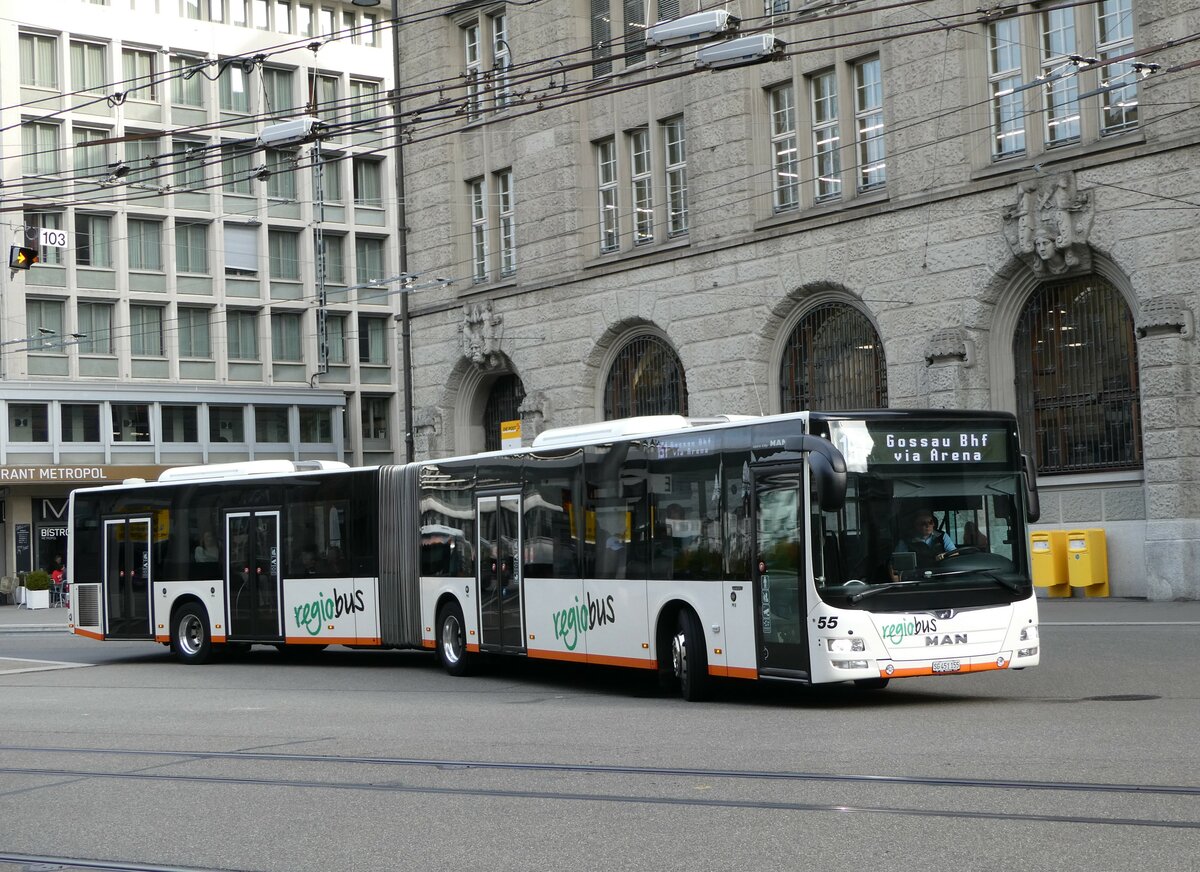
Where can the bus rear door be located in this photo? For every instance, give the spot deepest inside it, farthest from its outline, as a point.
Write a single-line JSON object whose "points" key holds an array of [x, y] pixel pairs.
{"points": [[779, 572], [127, 578], [252, 576]]}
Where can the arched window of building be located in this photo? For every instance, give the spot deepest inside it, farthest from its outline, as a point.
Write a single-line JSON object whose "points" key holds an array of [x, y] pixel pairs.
{"points": [[833, 360], [503, 404], [646, 378], [1077, 378]]}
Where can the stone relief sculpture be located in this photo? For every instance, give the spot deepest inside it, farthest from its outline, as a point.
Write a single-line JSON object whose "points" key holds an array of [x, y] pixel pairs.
{"points": [[1049, 224], [480, 335]]}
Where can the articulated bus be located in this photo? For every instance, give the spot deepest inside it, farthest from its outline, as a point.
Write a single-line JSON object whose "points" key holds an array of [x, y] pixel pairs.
{"points": [[784, 547]]}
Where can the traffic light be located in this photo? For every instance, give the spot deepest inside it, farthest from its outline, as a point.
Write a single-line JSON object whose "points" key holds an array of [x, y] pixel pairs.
{"points": [[21, 258]]}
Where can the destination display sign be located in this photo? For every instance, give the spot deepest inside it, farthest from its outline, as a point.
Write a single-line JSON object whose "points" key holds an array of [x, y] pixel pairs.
{"points": [[865, 444]]}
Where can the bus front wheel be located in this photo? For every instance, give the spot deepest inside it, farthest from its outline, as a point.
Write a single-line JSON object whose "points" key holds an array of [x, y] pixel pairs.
{"points": [[688, 657], [191, 640], [452, 640]]}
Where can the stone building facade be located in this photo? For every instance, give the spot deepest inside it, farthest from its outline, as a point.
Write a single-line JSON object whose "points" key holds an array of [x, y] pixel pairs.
{"points": [[929, 206]]}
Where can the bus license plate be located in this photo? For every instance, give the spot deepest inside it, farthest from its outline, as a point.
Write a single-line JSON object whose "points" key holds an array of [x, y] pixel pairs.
{"points": [[947, 665]]}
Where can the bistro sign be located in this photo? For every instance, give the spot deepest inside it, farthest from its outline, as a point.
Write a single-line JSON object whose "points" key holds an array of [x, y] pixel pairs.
{"points": [[76, 474]]}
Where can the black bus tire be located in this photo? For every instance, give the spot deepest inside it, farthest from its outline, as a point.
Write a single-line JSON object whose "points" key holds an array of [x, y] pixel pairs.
{"points": [[689, 659], [190, 635], [871, 683], [452, 640]]}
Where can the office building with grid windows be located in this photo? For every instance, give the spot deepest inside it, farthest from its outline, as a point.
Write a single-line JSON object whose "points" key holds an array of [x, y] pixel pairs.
{"points": [[174, 314]]}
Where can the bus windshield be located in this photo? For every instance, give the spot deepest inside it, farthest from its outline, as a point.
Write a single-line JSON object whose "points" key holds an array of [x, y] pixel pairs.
{"points": [[934, 515]]}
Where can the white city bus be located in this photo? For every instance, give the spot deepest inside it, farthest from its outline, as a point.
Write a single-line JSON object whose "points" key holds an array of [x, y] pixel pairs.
{"points": [[778, 547]]}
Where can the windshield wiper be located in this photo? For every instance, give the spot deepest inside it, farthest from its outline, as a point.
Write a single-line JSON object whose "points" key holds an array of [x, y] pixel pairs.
{"points": [[892, 585]]}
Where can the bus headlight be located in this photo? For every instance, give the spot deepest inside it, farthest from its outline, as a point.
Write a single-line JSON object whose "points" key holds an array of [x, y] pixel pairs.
{"points": [[845, 646], [849, 664], [1029, 634], [1027, 652]]}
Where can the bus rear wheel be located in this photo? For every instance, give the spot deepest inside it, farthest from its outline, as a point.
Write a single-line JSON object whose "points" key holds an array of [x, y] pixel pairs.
{"points": [[452, 640], [689, 662], [191, 639]]}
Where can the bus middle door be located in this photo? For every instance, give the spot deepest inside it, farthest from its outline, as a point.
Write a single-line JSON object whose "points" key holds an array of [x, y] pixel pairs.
{"points": [[252, 576], [500, 574], [778, 569]]}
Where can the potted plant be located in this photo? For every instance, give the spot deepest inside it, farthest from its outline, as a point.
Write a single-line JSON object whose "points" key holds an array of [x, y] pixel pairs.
{"points": [[37, 589]]}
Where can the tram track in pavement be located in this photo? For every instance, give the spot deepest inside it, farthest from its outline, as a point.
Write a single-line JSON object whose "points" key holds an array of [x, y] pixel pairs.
{"points": [[163, 758]]}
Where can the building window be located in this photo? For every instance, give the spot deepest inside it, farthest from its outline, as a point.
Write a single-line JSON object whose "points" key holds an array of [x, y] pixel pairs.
{"points": [[190, 169], [39, 148], [508, 223], [833, 359], [89, 67], [375, 418], [226, 424], [283, 16], [93, 238], [237, 168], [242, 330], [327, 107], [868, 124], [145, 244], [285, 337], [643, 191], [479, 248], [187, 81], [281, 183], [786, 176], [610, 217], [278, 91], [39, 60], [335, 338], [304, 20], [368, 257], [646, 378], [234, 88], [601, 16], [372, 340], [139, 68], [90, 160], [370, 31], [179, 423], [146, 331], [331, 179], [95, 323], [28, 422], [195, 340], [284, 253], [141, 158], [368, 183], [335, 259], [1078, 401], [364, 100], [271, 424], [1054, 80], [191, 247], [503, 404], [241, 250], [48, 255], [827, 166], [80, 422], [501, 60], [675, 144], [130, 422], [44, 325], [316, 425]]}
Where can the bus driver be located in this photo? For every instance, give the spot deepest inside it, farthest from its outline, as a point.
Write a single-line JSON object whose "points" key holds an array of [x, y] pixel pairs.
{"points": [[928, 542]]}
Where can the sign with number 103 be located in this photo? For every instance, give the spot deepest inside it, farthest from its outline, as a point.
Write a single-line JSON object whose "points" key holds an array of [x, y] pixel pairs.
{"points": [[54, 238]]}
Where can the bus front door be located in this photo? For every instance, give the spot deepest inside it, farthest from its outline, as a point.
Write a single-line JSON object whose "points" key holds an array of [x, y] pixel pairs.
{"points": [[778, 569], [252, 575], [501, 614], [127, 578]]}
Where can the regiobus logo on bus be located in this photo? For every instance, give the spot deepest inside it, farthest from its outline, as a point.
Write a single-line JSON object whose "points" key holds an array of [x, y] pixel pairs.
{"points": [[574, 620]]}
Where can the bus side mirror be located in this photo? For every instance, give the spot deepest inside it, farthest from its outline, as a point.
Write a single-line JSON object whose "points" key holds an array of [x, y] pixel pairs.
{"points": [[830, 483], [1033, 503]]}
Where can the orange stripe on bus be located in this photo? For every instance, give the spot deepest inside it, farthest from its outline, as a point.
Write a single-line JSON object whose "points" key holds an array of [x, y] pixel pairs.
{"points": [[163, 639], [472, 648], [218, 640], [632, 662], [428, 643], [569, 656], [329, 640], [89, 634]]}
